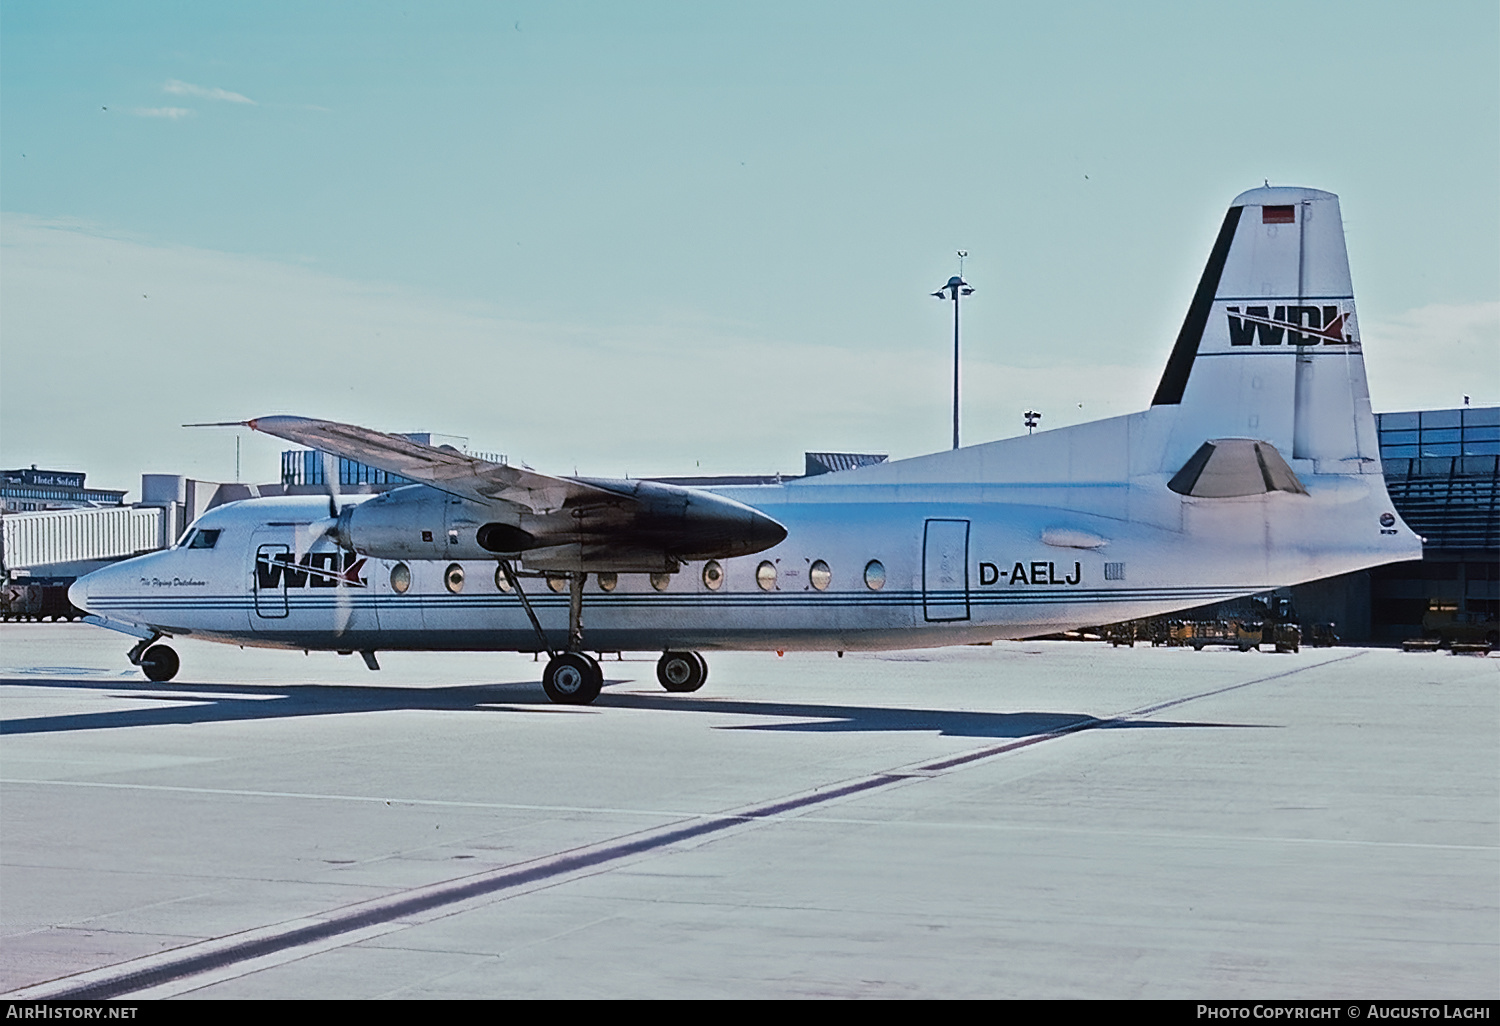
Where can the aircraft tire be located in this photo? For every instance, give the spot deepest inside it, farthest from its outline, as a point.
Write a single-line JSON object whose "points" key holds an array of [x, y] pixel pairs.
{"points": [[681, 672], [160, 663], [572, 678]]}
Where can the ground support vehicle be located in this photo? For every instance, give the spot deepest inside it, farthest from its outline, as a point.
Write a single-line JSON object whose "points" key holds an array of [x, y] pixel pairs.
{"points": [[1240, 634], [37, 599]]}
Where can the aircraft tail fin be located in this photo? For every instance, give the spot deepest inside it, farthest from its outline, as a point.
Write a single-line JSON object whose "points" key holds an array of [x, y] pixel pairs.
{"points": [[1270, 346]]}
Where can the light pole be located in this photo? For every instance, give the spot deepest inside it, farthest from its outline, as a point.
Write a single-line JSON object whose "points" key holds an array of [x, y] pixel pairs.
{"points": [[956, 287]]}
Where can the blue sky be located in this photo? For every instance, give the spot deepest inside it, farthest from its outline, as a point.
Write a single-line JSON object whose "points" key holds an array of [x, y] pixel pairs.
{"points": [[650, 238]]}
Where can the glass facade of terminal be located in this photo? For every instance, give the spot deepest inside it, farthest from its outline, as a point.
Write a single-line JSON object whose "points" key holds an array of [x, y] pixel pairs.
{"points": [[1467, 431], [1442, 470], [306, 467]]}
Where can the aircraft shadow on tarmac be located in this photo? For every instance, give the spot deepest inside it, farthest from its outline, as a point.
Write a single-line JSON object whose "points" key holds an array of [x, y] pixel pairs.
{"points": [[213, 703]]}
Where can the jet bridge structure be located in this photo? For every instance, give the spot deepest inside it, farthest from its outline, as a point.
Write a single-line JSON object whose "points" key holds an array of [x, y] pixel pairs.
{"points": [[55, 542]]}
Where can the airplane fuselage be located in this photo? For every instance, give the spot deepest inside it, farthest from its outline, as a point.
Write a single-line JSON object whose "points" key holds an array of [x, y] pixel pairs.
{"points": [[863, 566]]}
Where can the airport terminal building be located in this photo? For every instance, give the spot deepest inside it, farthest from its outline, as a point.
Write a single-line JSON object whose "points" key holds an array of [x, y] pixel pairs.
{"points": [[1442, 469], [30, 490]]}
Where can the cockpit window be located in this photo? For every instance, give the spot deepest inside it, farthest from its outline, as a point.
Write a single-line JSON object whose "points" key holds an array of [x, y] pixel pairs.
{"points": [[203, 540]]}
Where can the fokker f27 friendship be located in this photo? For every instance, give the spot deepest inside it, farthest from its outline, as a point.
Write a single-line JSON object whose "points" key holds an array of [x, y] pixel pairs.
{"points": [[1255, 467]]}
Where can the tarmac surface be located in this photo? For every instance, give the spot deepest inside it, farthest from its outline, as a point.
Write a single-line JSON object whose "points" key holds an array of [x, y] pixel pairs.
{"points": [[1025, 820]]}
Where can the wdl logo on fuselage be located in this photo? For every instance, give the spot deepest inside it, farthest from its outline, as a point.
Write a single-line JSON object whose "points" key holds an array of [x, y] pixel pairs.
{"points": [[1299, 325], [313, 570]]}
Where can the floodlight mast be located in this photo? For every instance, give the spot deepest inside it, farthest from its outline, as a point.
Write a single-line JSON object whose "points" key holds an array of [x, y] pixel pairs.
{"points": [[955, 288]]}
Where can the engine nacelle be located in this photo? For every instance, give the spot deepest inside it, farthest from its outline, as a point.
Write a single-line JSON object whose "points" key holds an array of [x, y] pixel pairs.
{"points": [[414, 522], [623, 526]]}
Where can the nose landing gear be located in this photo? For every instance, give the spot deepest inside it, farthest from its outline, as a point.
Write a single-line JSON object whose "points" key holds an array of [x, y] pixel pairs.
{"points": [[160, 663], [681, 671]]}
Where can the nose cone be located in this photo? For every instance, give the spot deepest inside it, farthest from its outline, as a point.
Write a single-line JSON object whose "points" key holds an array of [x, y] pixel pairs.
{"points": [[78, 593], [91, 591]]}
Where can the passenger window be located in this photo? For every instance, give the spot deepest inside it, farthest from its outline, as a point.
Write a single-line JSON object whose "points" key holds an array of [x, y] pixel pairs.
{"points": [[204, 540], [660, 581], [400, 578], [820, 575], [874, 575], [713, 575], [765, 576], [607, 580]]}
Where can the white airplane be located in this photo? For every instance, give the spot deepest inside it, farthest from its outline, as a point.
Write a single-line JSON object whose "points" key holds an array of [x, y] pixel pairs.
{"points": [[1255, 467]]}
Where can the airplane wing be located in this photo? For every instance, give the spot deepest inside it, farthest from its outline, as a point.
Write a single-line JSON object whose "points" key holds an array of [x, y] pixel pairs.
{"points": [[559, 523], [443, 468]]}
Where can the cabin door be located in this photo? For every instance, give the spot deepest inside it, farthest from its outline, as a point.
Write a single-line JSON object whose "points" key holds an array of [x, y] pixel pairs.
{"points": [[268, 579], [945, 570]]}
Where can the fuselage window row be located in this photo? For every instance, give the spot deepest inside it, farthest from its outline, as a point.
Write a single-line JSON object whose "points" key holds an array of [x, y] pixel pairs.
{"points": [[819, 576]]}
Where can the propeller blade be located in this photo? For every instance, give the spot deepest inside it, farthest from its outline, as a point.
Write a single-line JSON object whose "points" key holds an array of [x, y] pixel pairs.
{"points": [[305, 536], [331, 482], [343, 599], [343, 608]]}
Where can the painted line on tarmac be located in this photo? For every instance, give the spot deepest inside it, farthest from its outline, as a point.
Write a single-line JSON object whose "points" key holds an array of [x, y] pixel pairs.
{"points": [[221, 958], [1159, 706], [212, 956], [1090, 723]]}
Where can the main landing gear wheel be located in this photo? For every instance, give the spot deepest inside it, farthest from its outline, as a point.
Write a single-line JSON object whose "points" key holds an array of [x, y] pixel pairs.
{"points": [[160, 663], [572, 678], [681, 671]]}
